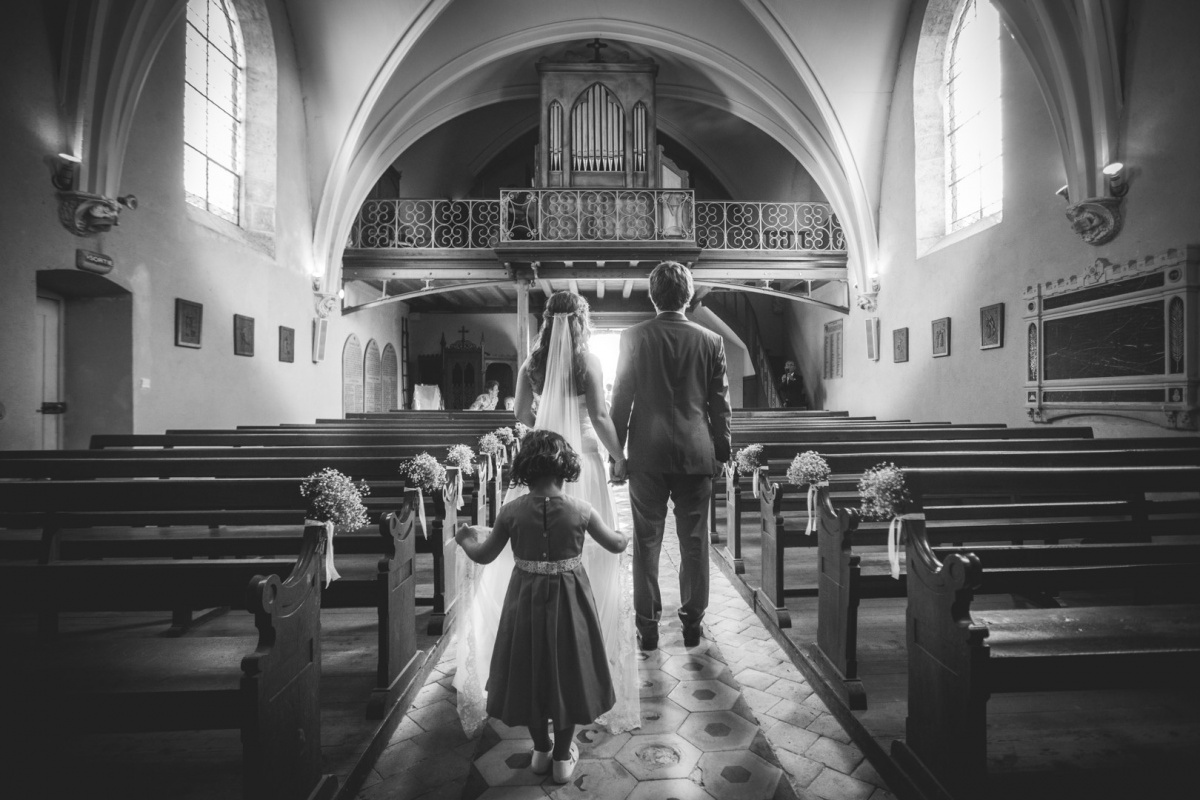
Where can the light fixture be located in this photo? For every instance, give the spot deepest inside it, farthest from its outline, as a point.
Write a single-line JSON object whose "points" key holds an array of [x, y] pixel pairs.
{"points": [[1064, 192], [1115, 172], [341, 294], [66, 169]]}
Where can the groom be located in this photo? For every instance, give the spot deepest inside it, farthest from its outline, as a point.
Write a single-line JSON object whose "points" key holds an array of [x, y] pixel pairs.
{"points": [[670, 401]]}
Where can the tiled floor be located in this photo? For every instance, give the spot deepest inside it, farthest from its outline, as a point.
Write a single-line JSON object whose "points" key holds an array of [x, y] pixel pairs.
{"points": [[732, 718]]}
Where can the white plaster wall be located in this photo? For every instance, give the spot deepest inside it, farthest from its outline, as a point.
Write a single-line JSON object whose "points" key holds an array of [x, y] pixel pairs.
{"points": [[1033, 242]]}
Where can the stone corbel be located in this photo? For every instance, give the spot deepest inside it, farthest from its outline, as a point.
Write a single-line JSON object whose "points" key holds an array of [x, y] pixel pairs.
{"points": [[325, 304], [1096, 220], [869, 300], [86, 214]]}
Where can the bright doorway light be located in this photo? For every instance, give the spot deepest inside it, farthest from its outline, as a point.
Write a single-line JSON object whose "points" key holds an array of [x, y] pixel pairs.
{"points": [[606, 344]]}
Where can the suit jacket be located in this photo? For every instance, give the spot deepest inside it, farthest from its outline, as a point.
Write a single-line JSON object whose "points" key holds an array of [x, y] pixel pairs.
{"points": [[670, 398]]}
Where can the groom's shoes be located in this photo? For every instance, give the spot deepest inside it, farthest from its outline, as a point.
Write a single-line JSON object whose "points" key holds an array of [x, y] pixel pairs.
{"points": [[692, 636], [648, 641]]}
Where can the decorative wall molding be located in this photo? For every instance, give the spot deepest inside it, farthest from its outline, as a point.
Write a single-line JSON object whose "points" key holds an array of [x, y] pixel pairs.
{"points": [[1097, 220], [85, 214], [325, 304]]}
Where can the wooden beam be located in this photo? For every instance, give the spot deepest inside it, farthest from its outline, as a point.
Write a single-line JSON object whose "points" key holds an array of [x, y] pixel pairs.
{"points": [[600, 290], [546, 288], [627, 289], [573, 285]]}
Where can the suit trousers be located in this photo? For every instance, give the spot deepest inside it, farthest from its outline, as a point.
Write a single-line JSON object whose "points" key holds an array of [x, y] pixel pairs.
{"points": [[648, 496]]}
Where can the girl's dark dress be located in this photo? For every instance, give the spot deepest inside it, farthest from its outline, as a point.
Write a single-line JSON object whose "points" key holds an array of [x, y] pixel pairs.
{"points": [[549, 661]]}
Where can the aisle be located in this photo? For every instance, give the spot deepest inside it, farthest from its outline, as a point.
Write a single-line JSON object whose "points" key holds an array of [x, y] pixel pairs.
{"points": [[731, 718]]}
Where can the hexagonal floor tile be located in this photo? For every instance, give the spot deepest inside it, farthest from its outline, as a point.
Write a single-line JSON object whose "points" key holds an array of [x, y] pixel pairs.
{"points": [[655, 757], [739, 775], [660, 715], [652, 659], [693, 667], [718, 730], [513, 793], [677, 789], [507, 764], [505, 732], [596, 780], [704, 695], [595, 742], [655, 683]]}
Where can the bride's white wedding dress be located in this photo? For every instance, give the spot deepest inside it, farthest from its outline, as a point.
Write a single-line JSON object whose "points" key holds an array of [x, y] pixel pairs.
{"points": [[482, 587]]}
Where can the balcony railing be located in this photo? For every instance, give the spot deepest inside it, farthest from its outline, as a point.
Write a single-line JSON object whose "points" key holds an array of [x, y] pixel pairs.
{"points": [[462, 224], [596, 215], [732, 225]]}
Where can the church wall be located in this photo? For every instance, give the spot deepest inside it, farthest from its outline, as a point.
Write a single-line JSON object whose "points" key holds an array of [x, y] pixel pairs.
{"points": [[163, 250], [499, 332], [1032, 243]]}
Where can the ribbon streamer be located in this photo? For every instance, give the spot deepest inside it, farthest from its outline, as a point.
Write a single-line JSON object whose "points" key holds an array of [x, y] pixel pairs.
{"points": [[894, 541], [755, 484], [458, 502], [421, 511], [331, 573], [812, 507]]}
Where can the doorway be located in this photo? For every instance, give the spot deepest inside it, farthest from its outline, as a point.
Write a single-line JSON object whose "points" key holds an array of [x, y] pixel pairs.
{"points": [[48, 343]]}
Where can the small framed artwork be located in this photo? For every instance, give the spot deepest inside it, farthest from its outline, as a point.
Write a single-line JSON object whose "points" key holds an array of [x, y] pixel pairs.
{"points": [[900, 345], [287, 344], [991, 326], [189, 323], [941, 337], [873, 338], [243, 335]]}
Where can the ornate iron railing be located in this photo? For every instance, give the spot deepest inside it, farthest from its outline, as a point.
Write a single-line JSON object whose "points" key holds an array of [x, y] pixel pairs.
{"points": [[439, 223], [596, 215], [734, 225]]}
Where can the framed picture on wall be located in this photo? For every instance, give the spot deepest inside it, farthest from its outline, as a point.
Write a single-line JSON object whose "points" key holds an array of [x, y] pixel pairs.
{"points": [[287, 344], [900, 345], [243, 335], [991, 326], [189, 319], [873, 338], [941, 337]]}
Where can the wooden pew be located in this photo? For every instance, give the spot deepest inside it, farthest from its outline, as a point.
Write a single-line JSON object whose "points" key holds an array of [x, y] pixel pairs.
{"points": [[121, 685], [957, 658]]}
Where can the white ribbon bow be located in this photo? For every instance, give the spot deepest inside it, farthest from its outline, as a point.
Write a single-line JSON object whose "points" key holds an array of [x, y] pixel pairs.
{"points": [[421, 511], [894, 541], [458, 502], [755, 484], [812, 507], [331, 573]]}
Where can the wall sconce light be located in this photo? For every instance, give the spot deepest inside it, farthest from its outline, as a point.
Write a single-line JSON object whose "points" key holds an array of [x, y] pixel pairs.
{"points": [[1115, 172], [65, 171], [341, 294], [1064, 192]]}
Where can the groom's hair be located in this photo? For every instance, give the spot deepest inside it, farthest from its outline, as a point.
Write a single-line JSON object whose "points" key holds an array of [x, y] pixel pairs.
{"points": [[671, 286], [544, 454]]}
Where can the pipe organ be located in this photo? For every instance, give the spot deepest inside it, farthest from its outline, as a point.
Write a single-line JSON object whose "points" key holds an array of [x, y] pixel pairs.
{"points": [[598, 123]]}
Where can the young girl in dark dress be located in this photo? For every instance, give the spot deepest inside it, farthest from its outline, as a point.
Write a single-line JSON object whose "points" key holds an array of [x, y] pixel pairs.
{"points": [[549, 663]]}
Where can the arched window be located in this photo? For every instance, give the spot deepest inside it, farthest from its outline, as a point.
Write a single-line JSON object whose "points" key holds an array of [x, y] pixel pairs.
{"points": [[372, 387], [974, 164], [391, 379], [214, 109], [352, 376]]}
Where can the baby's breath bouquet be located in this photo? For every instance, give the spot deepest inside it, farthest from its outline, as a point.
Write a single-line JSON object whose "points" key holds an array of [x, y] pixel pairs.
{"points": [[490, 444], [461, 456], [884, 495], [424, 472], [808, 468], [521, 430], [748, 459], [505, 435], [883, 492], [333, 497]]}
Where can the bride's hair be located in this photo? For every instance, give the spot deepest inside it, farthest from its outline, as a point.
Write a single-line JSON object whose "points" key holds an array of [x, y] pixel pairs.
{"points": [[544, 454], [581, 331]]}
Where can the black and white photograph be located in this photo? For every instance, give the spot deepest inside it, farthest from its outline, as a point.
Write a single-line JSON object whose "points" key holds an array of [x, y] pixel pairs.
{"points": [[556, 453]]}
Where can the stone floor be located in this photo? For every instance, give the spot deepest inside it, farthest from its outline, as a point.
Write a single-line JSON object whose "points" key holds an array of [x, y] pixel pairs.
{"points": [[732, 718]]}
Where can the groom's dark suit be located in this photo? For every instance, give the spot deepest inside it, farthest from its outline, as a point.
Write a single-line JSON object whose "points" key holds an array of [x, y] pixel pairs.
{"points": [[670, 405]]}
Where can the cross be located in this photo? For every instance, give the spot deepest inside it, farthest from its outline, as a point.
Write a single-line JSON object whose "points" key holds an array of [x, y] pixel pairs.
{"points": [[463, 331], [597, 47]]}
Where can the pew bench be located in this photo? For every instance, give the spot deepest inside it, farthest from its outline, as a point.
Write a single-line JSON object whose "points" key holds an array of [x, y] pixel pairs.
{"points": [[108, 684], [958, 658]]}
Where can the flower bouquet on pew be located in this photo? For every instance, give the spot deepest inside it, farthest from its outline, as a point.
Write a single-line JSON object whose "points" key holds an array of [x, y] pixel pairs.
{"points": [[808, 468], [884, 495], [747, 461], [335, 501], [425, 473], [507, 438], [463, 457]]}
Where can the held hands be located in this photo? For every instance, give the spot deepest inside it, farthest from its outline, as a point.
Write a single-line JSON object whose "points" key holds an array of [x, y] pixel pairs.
{"points": [[618, 471], [467, 535]]}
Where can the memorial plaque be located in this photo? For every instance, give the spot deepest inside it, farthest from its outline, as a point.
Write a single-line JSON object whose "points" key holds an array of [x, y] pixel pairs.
{"points": [[243, 335], [900, 345], [287, 344], [189, 318]]}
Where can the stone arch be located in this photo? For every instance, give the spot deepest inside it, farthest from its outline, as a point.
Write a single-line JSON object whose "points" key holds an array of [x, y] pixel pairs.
{"points": [[372, 379], [390, 369], [352, 376]]}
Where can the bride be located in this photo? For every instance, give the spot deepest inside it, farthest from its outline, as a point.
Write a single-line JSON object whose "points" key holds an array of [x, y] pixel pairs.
{"points": [[569, 379]]}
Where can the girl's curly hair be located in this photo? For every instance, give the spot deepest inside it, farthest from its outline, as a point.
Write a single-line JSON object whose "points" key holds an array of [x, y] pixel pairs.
{"points": [[581, 332], [544, 454]]}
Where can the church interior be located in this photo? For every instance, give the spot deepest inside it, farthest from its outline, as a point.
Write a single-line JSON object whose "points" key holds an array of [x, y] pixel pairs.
{"points": [[950, 242]]}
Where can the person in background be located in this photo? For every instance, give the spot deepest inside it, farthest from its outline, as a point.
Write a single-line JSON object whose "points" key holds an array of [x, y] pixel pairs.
{"points": [[510, 403], [792, 386], [487, 401]]}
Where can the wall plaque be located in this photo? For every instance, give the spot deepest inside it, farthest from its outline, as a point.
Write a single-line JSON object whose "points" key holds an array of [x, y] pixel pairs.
{"points": [[243, 335], [941, 337], [991, 326], [189, 319], [900, 345], [1118, 340], [90, 261], [287, 344]]}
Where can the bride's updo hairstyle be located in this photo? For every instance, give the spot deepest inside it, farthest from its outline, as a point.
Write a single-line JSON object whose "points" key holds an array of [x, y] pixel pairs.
{"points": [[581, 332], [544, 454]]}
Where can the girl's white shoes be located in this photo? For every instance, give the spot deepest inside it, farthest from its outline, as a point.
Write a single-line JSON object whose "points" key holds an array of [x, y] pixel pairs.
{"points": [[540, 764], [563, 770]]}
